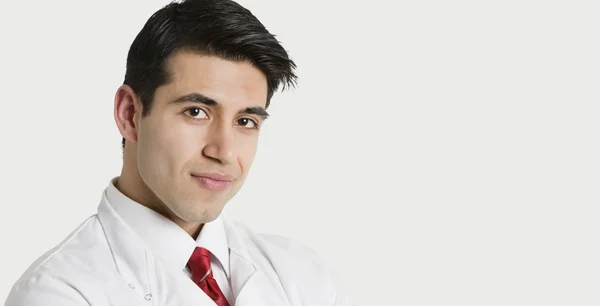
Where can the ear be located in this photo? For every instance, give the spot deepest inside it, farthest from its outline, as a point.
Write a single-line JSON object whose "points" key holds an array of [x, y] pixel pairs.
{"points": [[127, 112]]}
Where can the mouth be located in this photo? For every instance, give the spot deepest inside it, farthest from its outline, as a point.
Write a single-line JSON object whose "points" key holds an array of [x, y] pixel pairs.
{"points": [[212, 181]]}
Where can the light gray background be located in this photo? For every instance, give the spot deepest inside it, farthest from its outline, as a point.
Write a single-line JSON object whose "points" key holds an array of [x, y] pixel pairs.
{"points": [[434, 153]]}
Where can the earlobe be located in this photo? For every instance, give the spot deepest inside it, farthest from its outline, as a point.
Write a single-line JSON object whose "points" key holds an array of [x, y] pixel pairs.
{"points": [[126, 112]]}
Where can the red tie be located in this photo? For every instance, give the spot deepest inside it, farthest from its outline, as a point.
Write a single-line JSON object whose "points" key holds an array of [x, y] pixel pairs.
{"points": [[199, 265]]}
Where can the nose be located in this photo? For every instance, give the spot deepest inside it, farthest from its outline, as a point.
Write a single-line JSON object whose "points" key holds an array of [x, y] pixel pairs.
{"points": [[220, 145]]}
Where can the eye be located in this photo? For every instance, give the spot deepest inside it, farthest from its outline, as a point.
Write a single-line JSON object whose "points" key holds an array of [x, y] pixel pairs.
{"points": [[196, 113], [247, 123]]}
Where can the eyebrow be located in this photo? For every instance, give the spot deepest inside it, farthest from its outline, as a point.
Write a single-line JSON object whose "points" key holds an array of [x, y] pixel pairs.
{"points": [[259, 111], [200, 98], [196, 98]]}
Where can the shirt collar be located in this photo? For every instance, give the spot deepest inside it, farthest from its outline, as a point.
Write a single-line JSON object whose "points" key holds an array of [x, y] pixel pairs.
{"points": [[166, 239]]}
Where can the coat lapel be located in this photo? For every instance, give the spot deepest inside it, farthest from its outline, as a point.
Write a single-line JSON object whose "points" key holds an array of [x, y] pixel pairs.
{"points": [[249, 283], [257, 290]]}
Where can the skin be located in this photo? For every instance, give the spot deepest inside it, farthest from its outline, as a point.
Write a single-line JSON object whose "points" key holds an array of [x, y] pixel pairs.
{"points": [[178, 139]]}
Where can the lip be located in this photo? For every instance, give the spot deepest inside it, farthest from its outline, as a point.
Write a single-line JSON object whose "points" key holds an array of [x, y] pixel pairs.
{"points": [[213, 181], [215, 176]]}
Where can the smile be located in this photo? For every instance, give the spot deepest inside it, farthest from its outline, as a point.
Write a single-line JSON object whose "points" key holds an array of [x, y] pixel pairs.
{"points": [[214, 182]]}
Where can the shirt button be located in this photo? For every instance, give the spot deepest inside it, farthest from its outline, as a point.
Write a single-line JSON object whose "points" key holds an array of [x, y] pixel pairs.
{"points": [[148, 297], [132, 286]]}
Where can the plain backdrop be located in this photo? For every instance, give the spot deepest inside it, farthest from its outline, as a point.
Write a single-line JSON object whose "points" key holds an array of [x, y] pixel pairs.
{"points": [[434, 152]]}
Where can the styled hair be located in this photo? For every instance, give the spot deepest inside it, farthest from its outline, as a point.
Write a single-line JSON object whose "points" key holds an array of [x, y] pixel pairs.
{"points": [[220, 28]]}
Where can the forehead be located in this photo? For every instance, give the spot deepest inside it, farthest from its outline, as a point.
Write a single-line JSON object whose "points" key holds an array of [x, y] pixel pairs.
{"points": [[227, 82]]}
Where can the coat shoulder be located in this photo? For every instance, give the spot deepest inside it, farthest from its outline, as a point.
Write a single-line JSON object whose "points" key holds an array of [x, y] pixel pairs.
{"points": [[58, 274]]}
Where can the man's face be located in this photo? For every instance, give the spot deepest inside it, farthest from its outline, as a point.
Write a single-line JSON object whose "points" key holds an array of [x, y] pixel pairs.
{"points": [[197, 144]]}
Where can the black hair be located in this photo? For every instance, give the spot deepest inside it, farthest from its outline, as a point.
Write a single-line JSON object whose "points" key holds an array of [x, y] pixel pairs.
{"points": [[221, 28]]}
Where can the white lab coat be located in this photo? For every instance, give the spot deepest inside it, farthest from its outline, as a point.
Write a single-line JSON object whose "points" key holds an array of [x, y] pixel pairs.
{"points": [[103, 262]]}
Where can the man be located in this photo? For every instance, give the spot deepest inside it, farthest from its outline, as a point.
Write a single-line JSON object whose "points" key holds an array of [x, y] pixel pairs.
{"points": [[199, 78]]}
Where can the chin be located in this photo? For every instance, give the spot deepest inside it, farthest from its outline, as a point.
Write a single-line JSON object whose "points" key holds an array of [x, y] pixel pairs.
{"points": [[202, 216]]}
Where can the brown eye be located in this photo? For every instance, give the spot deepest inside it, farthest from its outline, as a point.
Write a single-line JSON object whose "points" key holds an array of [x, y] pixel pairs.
{"points": [[247, 123], [196, 113]]}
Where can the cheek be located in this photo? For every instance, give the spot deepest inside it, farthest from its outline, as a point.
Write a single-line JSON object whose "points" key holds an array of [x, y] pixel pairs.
{"points": [[167, 147], [152, 157], [247, 152], [182, 145]]}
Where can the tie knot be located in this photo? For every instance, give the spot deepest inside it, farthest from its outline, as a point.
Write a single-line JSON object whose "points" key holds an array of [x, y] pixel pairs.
{"points": [[199, 264]]}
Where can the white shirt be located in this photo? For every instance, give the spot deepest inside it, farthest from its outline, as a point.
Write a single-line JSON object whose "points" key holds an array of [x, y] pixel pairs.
{"points": [[170, 242], [112, 260]]}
